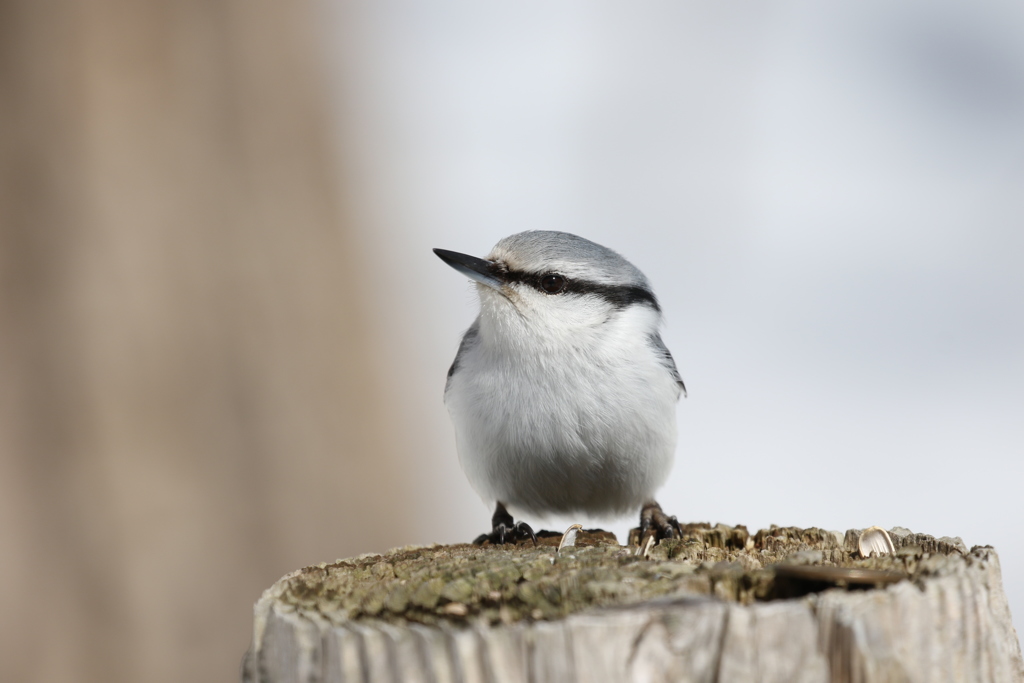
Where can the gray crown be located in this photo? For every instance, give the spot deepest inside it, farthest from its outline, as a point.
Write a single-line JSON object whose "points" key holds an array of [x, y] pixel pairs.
{"points": [[548, 250]]}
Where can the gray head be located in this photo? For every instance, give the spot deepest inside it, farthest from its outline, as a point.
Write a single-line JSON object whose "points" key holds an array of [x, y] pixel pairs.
{"points": [[536, 266]]}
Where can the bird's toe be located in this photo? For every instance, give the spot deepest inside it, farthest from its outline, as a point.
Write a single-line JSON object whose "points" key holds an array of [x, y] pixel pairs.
{"points": [[505, 530], [654, 523]]}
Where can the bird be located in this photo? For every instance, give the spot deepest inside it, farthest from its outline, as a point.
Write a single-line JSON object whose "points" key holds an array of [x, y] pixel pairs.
{"points": [[562, 393]]}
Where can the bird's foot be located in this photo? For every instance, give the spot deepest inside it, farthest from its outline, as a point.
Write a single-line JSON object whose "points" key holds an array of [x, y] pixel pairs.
{"points": [[654, 523], [505, 530], [502, 534]]}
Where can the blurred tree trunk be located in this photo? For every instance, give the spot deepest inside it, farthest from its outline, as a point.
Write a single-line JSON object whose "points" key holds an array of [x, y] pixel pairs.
{"points": [[187, 396]]}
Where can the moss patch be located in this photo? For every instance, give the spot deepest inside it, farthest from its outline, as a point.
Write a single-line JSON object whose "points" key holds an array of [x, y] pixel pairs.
{"points": [[526, 582]]}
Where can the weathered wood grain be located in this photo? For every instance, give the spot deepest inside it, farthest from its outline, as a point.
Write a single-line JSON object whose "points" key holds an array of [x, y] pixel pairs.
{"points": [[706, 608]]}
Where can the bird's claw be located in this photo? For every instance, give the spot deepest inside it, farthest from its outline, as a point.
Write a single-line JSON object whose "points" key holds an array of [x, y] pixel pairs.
{"points": [[502, 534], [505, 530], [654, 523]]}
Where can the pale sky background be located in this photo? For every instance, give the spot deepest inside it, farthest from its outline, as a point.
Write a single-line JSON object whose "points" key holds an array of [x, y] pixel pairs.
{"points": [[829, 202]]}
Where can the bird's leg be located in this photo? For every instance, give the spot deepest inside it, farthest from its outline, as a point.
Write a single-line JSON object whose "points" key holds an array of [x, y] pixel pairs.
{"points": [[654, 522], [505, 530]]}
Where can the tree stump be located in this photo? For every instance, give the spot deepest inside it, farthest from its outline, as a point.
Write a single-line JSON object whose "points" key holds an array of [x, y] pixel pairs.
{"points": [[720, 604]]}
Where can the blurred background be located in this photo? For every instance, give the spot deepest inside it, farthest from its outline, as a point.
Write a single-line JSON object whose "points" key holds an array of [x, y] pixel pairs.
{"points": [[223, 337]]}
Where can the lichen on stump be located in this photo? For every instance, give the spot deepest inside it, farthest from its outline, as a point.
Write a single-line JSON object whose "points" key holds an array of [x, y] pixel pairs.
{"points": [[802, 601]]}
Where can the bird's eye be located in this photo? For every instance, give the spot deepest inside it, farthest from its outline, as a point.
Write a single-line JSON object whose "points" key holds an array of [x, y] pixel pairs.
{"points": [[552, 283]]}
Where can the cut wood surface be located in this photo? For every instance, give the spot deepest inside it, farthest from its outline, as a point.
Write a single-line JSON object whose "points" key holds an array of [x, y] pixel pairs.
{"points": [[720, 604]]}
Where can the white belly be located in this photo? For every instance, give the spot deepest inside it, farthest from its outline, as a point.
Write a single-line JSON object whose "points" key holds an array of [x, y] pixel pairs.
{"points": [[564, 433]]}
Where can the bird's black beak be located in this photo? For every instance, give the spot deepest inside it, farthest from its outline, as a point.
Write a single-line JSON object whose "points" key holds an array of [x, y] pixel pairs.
{"points": [[478, 269]]}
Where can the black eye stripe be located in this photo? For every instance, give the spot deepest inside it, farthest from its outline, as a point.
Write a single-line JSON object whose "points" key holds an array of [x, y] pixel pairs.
{"points": [[620, 296]]}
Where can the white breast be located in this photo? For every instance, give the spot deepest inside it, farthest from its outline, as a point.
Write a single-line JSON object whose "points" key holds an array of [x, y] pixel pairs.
{"points": [[577, 422]]}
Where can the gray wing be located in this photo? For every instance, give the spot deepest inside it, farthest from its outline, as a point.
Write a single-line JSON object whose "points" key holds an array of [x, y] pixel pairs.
{"points": [[468, 341], [665, 356]]}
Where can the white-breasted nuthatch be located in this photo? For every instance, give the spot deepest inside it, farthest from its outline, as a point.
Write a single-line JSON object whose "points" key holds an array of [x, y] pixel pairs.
{"points": [[562, 393]]}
